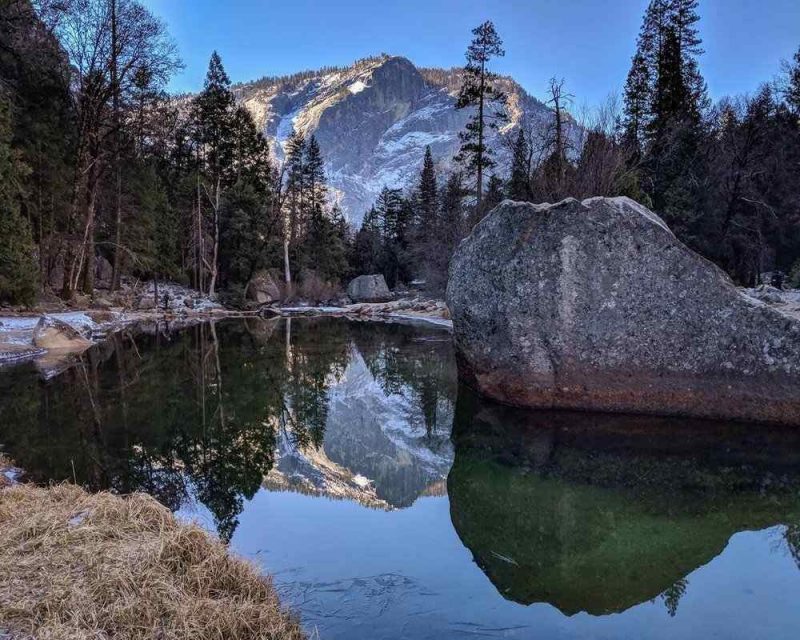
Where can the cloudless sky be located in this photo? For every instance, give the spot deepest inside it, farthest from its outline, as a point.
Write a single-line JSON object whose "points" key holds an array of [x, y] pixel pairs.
{"points": [[587, 42]]}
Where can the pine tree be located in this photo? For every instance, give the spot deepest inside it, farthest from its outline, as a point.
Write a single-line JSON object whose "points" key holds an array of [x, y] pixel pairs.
{"points": [[519, 187], [249, 237], [215, 108], [427, 196], [314, 177], [449, 231], [367, 245], [494, 193], [670, 102], [325, 244], [664, 101], [477, 90], [426, 202], [664, 84], [389, 208], [637, 101], [215, 121]]}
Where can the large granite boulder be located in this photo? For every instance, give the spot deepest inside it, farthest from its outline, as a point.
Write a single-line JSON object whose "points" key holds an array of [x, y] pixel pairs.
{"points": [[370, 288], [596, 305]]}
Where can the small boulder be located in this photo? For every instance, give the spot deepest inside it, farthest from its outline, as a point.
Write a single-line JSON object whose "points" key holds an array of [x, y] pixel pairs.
{"points": [[262, 288], [101, 303], [371, 288], [52, 333], [596, 305], [103, 272], [145, 302]]}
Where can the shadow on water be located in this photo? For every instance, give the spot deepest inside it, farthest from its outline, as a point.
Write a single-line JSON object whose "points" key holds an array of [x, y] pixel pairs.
{"points": [[598, 513]]}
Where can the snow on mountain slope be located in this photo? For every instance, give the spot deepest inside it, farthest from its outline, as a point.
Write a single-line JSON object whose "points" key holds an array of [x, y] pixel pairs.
{"points": [[373, 121]]}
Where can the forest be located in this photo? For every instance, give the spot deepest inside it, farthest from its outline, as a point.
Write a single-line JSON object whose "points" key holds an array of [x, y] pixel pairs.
{"points": [[104, 175]]}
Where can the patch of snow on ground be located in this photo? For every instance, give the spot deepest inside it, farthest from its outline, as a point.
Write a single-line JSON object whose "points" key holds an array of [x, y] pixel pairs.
{"points": [[77, 319]]}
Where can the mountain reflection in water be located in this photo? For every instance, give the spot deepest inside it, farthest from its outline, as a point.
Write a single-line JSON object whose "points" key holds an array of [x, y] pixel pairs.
{"points": [[389, 502], [210, 413], [598, 513]]}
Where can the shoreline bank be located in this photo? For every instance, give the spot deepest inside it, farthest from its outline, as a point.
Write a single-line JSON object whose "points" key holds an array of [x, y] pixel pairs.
{"points": [[18, 343], [75, 564]]}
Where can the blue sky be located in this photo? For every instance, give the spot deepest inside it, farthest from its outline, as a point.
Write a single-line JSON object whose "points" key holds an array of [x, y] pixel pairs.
{"points": [[587, 42]]}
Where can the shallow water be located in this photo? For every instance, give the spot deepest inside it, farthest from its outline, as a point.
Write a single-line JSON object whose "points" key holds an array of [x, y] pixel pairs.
{"points": [[389, 503]]}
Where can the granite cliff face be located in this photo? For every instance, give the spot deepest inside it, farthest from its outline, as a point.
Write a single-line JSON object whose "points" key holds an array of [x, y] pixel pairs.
{"points": [[374, 119], [596, 305]]}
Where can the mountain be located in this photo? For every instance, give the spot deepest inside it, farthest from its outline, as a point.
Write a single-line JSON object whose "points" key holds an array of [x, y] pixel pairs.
{"points": [[373, 120]]}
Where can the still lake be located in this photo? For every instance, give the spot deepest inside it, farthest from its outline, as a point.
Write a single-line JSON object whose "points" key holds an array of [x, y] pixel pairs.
{"points": [[389, 502]]}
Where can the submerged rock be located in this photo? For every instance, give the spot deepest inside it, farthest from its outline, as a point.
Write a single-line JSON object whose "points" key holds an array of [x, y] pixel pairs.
{"points": [[596, 305], [370, 288], [51, 333]]}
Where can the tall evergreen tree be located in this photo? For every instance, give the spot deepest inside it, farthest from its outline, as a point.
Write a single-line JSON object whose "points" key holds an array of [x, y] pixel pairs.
{"points": [[314, 177], [427, 196], [293, 198], [215, 121], [637, 101], [494, 192], [479, 92], [426, 202], [664, 101], [519, 187]]}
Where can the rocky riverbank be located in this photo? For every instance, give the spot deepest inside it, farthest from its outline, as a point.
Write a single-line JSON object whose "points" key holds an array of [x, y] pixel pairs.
{"points": [[53, 334], [412, 309]]}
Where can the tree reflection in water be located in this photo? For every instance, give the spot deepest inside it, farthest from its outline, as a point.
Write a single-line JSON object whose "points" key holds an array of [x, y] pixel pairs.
{"points": [[195, 413], [598, 513]]}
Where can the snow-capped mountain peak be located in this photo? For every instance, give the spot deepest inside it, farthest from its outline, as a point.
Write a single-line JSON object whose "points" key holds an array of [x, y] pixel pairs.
{"points": [[373, 121]]}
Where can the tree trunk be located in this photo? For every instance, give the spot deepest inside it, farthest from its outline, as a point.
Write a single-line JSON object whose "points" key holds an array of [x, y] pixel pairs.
{"points": [[115, 274], [215, 255], [200, 256], [479, 186], [287, 272], [87, 249]]}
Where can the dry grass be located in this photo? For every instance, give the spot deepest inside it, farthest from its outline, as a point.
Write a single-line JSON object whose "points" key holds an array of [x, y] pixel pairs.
{"points": [[77, 566], [6, 465]]}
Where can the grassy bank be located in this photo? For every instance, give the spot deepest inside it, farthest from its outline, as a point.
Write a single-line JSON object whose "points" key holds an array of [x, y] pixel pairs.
{"points": [[75, 565]]}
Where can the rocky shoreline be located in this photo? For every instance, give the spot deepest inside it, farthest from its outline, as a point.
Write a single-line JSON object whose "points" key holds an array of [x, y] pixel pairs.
{"points": [[53, 339]]}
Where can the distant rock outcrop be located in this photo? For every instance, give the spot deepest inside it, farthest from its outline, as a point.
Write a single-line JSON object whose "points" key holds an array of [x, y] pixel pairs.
{"points": [[596, 305], [262, 288], [370, 288]]}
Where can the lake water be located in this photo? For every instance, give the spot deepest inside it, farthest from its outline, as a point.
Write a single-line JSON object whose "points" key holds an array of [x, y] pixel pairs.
{"points": [[388, 502]]}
